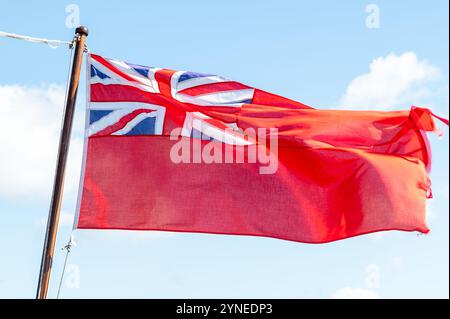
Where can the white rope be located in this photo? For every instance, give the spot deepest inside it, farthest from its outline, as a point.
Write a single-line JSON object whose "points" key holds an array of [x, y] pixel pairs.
{"points": [[68, 247], [51, 43]]}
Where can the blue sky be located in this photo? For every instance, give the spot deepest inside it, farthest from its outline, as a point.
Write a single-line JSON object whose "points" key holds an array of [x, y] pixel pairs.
{"points": [[318, 52]]}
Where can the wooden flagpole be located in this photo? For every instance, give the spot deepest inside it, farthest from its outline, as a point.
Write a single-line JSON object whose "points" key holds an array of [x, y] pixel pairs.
{"points": [[52, 224]]}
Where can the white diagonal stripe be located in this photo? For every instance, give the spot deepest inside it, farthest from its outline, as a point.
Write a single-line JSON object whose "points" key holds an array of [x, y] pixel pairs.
{"points": [[227, 96], [131, 124], [186, 84], [145, 87], [120, 109], [108, 120]]}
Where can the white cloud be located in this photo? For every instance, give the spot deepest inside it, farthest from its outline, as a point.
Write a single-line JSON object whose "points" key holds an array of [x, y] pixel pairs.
{"points": [[373, 276], [377, 236], [354, 293], [393, 81], [30, 121], [398, 262]]}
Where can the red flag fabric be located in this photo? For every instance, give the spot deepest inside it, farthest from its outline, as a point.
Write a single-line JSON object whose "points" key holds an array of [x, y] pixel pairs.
{"points": [[183, 151]]}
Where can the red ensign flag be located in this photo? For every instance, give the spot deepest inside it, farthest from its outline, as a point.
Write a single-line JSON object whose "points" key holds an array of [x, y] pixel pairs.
{"points": [[192, 152]]}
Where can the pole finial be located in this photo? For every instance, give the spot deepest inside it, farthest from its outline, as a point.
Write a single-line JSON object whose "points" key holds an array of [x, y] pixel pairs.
{"points": [[82, 30]]}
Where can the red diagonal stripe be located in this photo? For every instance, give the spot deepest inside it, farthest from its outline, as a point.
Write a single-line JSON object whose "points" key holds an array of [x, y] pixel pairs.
{"points": [[112, 68]]}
